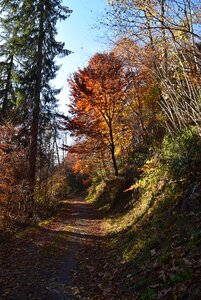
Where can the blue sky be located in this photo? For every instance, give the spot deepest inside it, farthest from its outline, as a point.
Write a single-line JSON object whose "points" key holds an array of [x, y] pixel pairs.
{"points": [[82, 35]]}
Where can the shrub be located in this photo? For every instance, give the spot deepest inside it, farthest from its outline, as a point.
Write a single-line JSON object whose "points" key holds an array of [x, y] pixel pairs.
{"points": [[13, 186], [181, 154]]}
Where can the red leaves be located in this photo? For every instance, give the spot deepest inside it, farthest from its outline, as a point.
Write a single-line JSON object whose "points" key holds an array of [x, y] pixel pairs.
{"points": [[97, 99]]}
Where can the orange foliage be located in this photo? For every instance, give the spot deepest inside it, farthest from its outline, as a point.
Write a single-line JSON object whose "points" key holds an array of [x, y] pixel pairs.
{"points": [[114, 107], [97, 103], [12, 170]]}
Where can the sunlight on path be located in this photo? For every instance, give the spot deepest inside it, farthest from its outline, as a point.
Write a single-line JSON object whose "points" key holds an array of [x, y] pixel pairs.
{"points": [[47, 259]]}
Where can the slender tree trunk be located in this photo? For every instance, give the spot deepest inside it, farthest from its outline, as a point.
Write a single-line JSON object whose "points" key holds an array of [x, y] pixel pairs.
{"points": [[189, 20], [164, 37], [151, 38], [7, 89], [116, 172], [36, 106]]}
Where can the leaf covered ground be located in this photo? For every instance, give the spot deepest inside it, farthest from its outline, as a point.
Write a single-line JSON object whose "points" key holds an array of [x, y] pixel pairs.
{"points": [[80, 255], [62, 258]]}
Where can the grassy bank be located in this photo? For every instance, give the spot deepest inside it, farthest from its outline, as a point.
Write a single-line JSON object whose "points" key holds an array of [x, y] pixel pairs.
{"points": [[157, 230]]}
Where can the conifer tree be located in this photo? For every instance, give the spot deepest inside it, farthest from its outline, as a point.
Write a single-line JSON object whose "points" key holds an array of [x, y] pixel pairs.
{"points": [[30, 48], [47, 13], [8, 53]]}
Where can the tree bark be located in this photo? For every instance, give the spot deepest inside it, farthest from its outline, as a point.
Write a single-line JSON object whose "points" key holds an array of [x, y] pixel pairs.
{"points": [[8, 84], [116, 172], [36, 107]]}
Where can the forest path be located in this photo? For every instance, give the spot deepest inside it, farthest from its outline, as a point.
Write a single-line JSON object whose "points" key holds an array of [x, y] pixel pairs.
{"points": [[61, 259]]}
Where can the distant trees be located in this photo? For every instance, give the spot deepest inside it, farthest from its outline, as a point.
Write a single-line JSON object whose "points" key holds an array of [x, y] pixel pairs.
{"points": [[142, 89]]}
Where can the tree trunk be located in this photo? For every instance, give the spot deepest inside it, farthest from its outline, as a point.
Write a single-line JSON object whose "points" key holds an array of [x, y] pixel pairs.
{"points": [[162, 20], [36, 107], [7, 89], [116, 172]]}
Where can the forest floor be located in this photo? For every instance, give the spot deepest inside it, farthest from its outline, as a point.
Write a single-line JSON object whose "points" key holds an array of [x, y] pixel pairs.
{"points": [[65, 257]]}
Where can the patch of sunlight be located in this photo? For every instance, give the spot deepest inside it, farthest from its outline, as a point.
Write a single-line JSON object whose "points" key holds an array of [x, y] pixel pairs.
{"points": [[68, 228], [66, 201], [122, 222], [46, 222], [136, 249], [31, 230], [151, 196]]}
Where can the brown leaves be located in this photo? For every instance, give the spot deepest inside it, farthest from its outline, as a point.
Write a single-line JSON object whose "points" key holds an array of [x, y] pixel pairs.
{"points": [[12, 168]]}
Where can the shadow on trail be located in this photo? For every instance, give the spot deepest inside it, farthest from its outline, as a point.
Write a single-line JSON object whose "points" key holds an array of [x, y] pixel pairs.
{"points": [[83, 211], [78, 232], [43, 263]]}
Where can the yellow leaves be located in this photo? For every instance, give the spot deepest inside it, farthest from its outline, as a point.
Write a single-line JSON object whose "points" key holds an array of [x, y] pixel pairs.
{"points": [[147, 169], [149, 166], [179, 34], [118, 150], [150, 162], [135, 186], [147, 6]]}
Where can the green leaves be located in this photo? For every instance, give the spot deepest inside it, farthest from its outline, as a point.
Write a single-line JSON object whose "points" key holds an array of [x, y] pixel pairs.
{"points": [[181, 153]]}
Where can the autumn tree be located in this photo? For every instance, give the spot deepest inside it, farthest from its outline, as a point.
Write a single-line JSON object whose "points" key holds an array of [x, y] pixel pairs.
{"points": [[143, 112], [171, 29], [97, 101]]}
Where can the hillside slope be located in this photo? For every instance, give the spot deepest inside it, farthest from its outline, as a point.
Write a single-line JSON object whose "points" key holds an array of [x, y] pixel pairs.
{"points": [[157, 232]]}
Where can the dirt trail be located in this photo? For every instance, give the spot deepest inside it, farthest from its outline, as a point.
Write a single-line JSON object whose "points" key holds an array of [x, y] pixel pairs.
{"points": [[57, 260]]}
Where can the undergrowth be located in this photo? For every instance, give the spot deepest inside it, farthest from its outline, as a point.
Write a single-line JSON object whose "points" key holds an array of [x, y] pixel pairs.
{"points": [[159, 237]]}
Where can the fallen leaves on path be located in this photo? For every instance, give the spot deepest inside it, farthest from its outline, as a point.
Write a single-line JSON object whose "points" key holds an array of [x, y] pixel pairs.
{"points": [[64, 258]]}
